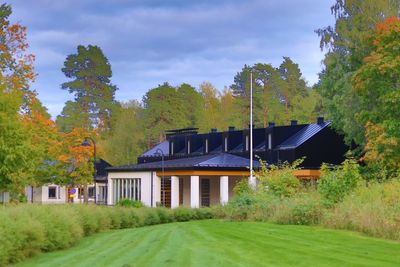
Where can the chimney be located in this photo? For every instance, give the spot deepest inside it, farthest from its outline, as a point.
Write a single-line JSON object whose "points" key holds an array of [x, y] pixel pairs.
{"points": [[213, 130], [293, 122], [231, 128], [271, 124], [320, 120]]}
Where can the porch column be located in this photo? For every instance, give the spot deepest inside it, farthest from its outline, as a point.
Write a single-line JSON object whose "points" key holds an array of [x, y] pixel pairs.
{"points": [[174, 191], [194, 191], [224, 189], [110, 191]]}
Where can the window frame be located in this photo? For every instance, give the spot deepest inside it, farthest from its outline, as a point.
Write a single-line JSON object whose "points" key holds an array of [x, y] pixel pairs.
{"points": [[55, 192]]}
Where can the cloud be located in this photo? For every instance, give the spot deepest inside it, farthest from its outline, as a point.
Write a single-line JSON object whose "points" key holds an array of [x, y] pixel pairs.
{"points": [[149, 42]]}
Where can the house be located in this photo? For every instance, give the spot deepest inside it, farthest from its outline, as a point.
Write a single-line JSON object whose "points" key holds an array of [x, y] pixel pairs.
{"points": [[194, 170], [60, 194]]}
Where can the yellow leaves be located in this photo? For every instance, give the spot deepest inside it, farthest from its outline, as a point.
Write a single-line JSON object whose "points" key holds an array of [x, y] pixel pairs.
{"points": [[77, 159]]}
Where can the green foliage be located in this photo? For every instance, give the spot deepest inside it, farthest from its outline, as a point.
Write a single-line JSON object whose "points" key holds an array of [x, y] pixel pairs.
{"points": [[94, 94], [348, 43], [26, 230], [164, 109], [373, 210], [279, 94], [128, 203], [377, 85], [303, 209], [16, 162], [279, 179], [126, 140], [339, 182]]}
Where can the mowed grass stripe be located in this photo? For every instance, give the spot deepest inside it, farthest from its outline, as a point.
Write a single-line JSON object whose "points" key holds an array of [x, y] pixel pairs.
{"points": [[220, 243]]}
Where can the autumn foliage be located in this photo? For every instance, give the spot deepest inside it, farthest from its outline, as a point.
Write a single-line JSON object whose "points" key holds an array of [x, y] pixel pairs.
{"points": [[377, 83]]}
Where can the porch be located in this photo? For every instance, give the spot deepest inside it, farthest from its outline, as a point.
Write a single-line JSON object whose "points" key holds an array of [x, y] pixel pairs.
{"points": [[198, 188]]}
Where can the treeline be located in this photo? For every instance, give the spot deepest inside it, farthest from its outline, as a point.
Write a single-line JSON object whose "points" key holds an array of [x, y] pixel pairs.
{"points": [[126, 129], [360, 83], [358, 89]]}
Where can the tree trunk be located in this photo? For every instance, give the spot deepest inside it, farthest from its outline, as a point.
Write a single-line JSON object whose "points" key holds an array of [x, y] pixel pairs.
{"points": [[85, 194]]}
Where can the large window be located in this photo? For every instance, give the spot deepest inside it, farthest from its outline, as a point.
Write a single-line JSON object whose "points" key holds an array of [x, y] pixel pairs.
{"points": [[52, 192], [129, 188]]}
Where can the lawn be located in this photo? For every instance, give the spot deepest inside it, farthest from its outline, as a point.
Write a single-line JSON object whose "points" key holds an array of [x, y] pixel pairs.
{"points": [[219, 243]]}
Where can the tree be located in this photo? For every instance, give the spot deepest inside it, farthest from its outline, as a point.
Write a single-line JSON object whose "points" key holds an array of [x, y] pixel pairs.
{"points": [[268, 87], [348, 42], [75, 162], [293, 84], [126, 140], [163, 109], [43, 143], [72, 116], [192, 102], [94, 94], [211, 107], [229, 110], [279, 94], [15, 150], [377, 84], [16, 72], [16, 65]]}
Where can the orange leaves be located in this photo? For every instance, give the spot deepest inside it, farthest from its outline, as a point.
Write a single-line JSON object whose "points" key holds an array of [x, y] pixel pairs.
{"points": [[77, 159], [389, 25], [16, 66]]}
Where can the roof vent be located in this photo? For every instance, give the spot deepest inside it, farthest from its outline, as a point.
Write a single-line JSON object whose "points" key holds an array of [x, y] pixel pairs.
{"points": [[213, 130], [293, 122], [320, 120], [271, 124], [231, 128]]}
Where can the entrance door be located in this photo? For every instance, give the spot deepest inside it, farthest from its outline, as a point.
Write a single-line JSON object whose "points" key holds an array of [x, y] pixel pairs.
{"points": [[205, 192], [166, 192], [102, 195]]}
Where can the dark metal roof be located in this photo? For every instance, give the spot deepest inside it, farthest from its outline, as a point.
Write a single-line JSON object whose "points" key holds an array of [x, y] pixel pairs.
{"points": [[221, 161], [101, 173], [302, 136], [182, 131], [163, 146]]}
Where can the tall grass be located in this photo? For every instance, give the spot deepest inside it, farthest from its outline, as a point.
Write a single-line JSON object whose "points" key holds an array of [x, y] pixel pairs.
{"points": [[26, 230], [373, 210]]}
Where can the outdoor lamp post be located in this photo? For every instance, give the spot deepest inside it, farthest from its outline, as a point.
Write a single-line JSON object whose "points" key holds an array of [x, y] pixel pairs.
{"points": [[160, 152], [86, 142]]}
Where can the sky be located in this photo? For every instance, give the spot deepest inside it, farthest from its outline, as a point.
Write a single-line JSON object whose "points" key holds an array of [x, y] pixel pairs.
{"points": [[149, 42]]}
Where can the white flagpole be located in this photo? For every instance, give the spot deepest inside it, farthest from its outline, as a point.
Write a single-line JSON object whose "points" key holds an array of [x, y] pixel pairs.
{"points": [[252, 180]]}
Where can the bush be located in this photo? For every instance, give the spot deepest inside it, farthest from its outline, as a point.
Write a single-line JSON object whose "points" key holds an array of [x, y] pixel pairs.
{"points": [[303, 209], [279, 179], [26, 230], [128, 203], [338, 182], [182, 214]]}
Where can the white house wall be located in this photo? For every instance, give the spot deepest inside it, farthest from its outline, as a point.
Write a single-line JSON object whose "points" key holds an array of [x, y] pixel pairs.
{"points": [[60, 195]]}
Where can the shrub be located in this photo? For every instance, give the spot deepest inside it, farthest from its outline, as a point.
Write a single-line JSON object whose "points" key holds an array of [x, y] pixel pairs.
{"points": [[338, 182], [165, 215], [29, 229], [279, 179], [128, 203], [303, 209]]}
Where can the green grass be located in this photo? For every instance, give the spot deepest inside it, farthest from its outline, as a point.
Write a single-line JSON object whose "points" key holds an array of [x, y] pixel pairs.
{"points": [[219, 243]]}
